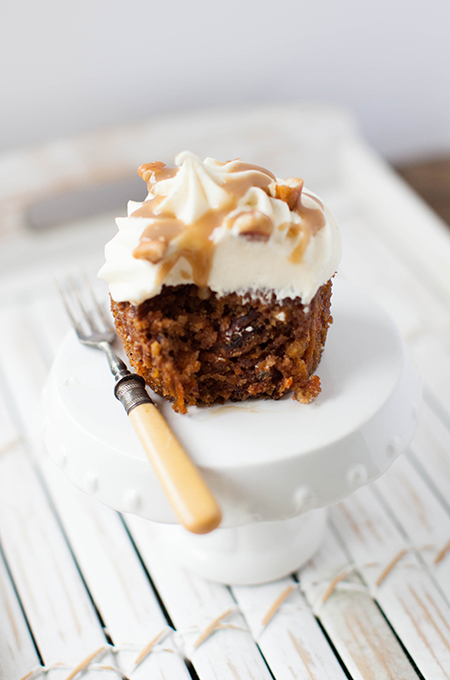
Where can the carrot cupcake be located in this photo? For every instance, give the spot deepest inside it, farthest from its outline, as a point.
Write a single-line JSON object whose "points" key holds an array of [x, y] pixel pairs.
{"points": [[220, 282]]}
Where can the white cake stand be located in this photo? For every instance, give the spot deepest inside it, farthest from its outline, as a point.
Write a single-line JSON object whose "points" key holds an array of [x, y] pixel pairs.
{"points": [[273, 466]]}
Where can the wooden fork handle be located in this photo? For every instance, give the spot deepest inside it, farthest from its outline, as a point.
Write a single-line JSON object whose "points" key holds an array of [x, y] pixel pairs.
{"points": [[187, 491], [185, 488]]}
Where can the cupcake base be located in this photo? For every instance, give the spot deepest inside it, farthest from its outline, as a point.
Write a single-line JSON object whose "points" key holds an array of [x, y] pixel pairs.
{"points": [[197, 349]]}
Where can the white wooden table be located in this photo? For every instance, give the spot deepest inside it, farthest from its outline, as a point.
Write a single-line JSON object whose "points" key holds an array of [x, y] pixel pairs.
{"points": [[83, 591]]}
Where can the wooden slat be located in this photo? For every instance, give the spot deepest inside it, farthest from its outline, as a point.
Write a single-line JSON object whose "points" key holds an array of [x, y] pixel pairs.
{"points": [[430, 449], [57, 606], [415, 234], [287, 631], [358, 630], [430, 178], [56, 603], [423, 518], [117, 582], [17, 651], [196, 606], [406, 297], [432, 356], [404, 590]]}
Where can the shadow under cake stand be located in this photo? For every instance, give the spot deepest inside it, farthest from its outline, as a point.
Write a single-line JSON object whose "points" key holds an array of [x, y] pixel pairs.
{"points": [[274, 466]]}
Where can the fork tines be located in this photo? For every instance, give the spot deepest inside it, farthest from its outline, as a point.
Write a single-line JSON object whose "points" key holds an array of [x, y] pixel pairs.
{"points": [[88, 316]]}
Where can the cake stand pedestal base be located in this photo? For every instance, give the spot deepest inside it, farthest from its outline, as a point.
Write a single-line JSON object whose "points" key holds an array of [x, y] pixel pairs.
{"points": [[249, 554]]}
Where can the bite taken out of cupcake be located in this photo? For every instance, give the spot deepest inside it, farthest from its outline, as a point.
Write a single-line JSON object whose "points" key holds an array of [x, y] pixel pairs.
{"points": [[221, 281]]}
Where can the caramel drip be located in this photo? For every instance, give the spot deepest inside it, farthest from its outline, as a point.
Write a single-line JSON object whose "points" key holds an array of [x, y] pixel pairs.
{"points": [[163, 227], [149, 209], [238, 186], [297, 254], [240, 166], [161, 175], [166, 227], [313, 219], [316, 200], [195, 245]]}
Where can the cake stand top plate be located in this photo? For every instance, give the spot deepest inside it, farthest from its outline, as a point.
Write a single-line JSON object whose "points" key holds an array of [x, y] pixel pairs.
{"points": [[265, 460]]}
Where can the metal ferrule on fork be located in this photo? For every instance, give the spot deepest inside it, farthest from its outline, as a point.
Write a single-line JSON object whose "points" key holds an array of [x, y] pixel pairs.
{"points": [[130, 387], [130, 390]]}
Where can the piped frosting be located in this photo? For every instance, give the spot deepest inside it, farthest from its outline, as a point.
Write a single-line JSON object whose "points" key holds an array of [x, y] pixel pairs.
{"points": [[232, 227]]}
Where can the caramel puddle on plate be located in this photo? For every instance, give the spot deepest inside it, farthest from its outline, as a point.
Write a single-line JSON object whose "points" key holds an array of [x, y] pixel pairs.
{"points": [[255, 407]]}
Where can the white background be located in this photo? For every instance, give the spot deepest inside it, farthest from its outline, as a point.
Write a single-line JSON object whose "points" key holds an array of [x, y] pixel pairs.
{"points": [[69, 67]]}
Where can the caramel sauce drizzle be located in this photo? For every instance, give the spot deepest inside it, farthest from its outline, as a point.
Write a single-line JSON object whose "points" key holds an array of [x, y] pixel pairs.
{"points": [[313, 219], [195, 246], [194, 242]]}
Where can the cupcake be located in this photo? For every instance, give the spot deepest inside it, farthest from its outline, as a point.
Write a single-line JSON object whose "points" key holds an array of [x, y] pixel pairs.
{"points": [[221, 280]]}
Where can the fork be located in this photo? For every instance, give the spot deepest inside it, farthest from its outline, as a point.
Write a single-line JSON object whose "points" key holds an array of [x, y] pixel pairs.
{"points": [[186, 490]]}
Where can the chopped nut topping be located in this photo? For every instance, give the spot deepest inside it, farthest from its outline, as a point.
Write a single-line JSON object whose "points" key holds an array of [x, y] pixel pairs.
{"points": [[289, 192], [152, 250], [254, 225], [149, 170]]}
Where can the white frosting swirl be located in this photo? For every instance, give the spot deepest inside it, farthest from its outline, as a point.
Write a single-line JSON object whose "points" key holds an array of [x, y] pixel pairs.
{"points": [[238, 264], [193, 191]]}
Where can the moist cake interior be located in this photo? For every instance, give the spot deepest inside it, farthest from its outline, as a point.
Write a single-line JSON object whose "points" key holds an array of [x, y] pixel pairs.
{"points": [[194, 347]]}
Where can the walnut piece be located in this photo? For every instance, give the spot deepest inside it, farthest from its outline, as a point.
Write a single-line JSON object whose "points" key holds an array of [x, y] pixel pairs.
{"points": [[289, 192], [152, 250], [254, 225], [149, 170]]}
